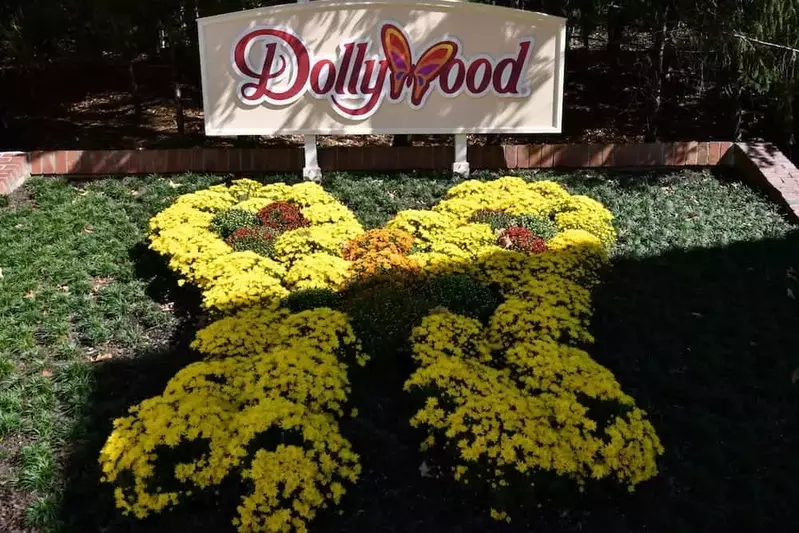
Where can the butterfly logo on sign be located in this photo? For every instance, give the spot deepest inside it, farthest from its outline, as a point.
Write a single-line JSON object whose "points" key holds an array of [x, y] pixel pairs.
{"points": [[419, 74]]}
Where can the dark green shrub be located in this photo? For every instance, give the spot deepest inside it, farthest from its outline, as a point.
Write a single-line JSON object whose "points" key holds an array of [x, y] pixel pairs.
{"points": [[462, 295], [383, 314], [540, 226], [494, 218], [260, 240], [299, 301], [228, 221], [543, 227]]}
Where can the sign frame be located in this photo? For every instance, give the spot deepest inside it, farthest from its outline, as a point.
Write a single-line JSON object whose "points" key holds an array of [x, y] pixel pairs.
{"points": [[364, 128]]}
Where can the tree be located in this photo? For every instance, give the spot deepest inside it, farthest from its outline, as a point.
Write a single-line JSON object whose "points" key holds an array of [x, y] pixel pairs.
{"points": [[770, 49]]}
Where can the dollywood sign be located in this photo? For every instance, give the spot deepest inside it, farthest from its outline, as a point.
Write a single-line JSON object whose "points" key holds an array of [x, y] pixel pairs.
{"points": [[342, 67], [350, 67]]}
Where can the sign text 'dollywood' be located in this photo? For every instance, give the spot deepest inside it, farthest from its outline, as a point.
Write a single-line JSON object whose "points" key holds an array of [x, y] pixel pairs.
{"points": [[348, 67]]}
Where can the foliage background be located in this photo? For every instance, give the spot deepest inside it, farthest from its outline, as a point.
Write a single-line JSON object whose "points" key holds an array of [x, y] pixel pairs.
{"points": [[671, 69]]}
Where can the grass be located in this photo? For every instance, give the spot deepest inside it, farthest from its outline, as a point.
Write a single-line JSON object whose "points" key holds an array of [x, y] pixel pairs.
{"points": [[696, 319], [69, 296]]}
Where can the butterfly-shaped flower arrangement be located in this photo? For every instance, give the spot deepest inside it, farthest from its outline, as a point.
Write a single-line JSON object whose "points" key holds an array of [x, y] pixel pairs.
{"points": [[508, 396]]}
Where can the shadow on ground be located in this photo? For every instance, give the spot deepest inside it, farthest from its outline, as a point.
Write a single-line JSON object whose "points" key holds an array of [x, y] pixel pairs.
{"points": [[706, 340]]}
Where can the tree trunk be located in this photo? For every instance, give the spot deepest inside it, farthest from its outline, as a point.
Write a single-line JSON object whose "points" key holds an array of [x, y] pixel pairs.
{"points": [[493, 139], [736, 111], [190, 30], [585, 37], [656, 96], [615, 30], [134, 90], [5, 131], [179, 119], [189, 12], [787, 112], [569, 34], [730, 83], [401, 140], [672, 20], [795, 147]]}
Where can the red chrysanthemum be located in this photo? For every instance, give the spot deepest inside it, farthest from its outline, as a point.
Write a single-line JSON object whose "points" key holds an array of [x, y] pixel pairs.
{"points": [[521, 240], [259, 239], [282, 216], [241, 233]]}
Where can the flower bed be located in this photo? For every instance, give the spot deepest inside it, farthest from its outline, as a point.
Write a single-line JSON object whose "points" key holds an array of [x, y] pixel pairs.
{"points": [[505, 399]]}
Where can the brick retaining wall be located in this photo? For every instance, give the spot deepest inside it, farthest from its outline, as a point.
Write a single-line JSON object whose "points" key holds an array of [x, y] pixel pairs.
{"points": [[16, 166], [376, 158], [761, 164], [765, 167], [14, 170]]}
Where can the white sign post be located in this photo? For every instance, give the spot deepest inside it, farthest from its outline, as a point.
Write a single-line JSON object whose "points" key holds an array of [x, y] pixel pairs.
{"points": [[460, 167], [346, 67], [311, 171]]}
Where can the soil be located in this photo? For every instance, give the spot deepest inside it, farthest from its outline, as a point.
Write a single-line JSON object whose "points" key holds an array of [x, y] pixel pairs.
{"points": [[13, 501]]}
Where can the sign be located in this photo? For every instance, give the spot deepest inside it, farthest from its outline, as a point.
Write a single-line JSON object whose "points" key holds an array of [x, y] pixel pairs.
{"points": [[390, 66]]}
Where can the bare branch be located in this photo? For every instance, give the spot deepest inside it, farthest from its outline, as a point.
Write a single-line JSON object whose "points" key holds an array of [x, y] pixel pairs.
{"points": [[766, 43]]}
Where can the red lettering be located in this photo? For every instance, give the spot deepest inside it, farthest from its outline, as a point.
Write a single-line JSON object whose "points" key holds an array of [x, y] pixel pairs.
{"points": [[471, 76], [364, 82], [369, 86], [254, 92], [344, 68], [379, 81], [511, 84], [449, 86], [357, 67], [316, 75]]}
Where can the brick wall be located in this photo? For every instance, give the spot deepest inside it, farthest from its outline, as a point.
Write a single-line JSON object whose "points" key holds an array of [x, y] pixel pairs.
{"points": [[761, 164], [13, 170], [376, 158], [765, 167]]}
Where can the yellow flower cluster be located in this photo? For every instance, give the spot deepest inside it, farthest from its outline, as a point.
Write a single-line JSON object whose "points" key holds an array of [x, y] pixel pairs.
{"points": [[484, 416], [229, 279], [510, 396], [325, 238], [318, 270], [259, 330], [241, 278], [574, 255], [446, 242], [518, 197], [313, 466], [425, 226], [267, 371], [519, 408]]}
